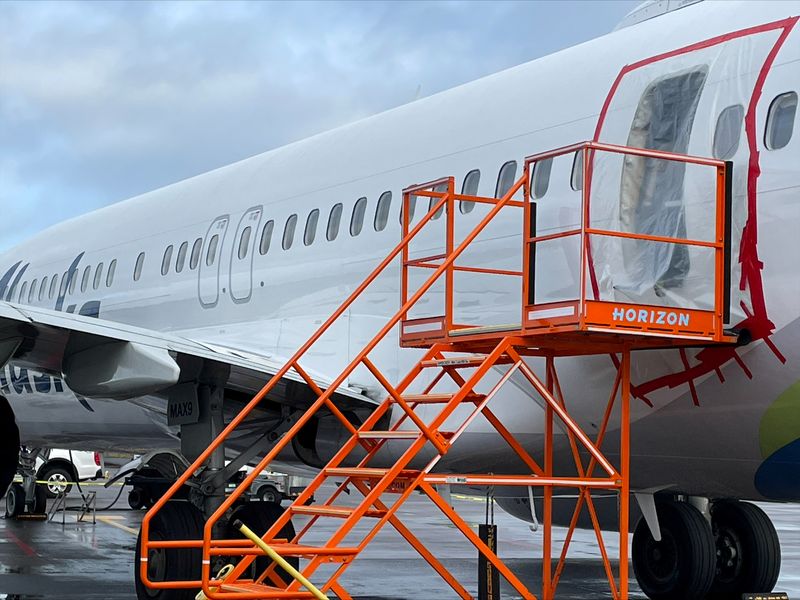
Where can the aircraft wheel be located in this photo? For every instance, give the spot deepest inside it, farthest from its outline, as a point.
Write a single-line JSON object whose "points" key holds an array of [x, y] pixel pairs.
{"points": [[748, 550], [680, 566], [175, 521], [15, 501], [259, 516], [39, 499]]}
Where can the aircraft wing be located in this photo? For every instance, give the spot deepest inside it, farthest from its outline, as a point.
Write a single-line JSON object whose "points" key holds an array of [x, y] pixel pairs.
{"points": [[98, 358]]}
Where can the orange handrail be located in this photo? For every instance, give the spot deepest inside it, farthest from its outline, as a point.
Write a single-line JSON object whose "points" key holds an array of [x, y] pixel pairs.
{"points": [[323, 397]]}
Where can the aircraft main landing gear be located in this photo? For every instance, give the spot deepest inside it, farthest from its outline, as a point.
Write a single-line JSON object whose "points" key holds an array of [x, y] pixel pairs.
{"points": [[737, 552]]}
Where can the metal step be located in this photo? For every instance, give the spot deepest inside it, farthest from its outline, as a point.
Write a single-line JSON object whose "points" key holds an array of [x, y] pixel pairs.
{"points": [[366, 473], [264, 591], [333, 511], [436, 398], [460, 362], [402, 434]]}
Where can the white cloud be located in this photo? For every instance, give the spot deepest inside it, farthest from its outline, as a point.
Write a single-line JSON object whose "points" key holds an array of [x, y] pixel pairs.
{"points": [[101, 101]]}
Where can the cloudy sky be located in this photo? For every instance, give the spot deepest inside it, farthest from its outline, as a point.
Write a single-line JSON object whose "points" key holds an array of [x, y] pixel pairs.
{"points": [[103, 101]]}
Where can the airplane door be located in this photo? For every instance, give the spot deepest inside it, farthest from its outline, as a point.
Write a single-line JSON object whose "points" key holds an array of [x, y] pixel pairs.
{"points": [[675, 102], [242, 252], [210, 260]]}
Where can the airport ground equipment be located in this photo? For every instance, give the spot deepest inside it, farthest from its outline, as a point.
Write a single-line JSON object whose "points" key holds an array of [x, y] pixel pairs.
{"points": [[462, 366]]}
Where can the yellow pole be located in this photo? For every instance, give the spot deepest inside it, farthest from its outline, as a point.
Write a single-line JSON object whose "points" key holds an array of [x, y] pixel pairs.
{"points": [[223, 574], [280, 560]]}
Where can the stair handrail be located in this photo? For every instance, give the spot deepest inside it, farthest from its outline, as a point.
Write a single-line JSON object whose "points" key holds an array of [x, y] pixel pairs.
{"points": [[323, 396]]}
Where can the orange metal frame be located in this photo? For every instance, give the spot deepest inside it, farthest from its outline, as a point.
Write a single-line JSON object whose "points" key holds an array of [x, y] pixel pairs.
{"points": [[461, 361]]}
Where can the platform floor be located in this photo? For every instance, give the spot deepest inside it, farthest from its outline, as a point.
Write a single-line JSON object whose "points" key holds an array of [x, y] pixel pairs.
{"points": [[84, 561]]}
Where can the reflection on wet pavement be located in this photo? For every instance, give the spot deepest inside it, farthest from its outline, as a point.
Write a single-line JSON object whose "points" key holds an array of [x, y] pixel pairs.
{"points": [[84, 561]]}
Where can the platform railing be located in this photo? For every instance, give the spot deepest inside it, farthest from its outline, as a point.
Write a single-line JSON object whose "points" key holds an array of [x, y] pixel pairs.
{"points": [[588, 310]]}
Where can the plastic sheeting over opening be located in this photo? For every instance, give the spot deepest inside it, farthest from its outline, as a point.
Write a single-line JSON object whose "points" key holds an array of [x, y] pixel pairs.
{"points": [[671, 104]]}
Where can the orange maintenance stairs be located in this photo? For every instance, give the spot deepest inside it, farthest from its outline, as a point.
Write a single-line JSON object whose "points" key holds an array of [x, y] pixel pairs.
{"points": [[449, 382]]}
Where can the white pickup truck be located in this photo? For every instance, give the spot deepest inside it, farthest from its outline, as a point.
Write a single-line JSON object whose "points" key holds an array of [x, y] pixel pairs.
{"points": [[65, 466]]}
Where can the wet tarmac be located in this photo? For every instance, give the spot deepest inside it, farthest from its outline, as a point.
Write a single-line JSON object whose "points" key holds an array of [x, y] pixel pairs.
{"points": [[40, 560]]}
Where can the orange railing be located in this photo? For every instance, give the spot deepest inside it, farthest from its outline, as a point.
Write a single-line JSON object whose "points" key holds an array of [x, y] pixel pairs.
{"points": [[324, 398], [590, 312]]}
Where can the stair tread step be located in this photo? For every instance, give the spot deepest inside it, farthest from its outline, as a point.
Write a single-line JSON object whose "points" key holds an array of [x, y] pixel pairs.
{"points": [[437, 398], [461, 361], [333, 511], [269, 591], [402, 434], [367, 472], [305, 550]]}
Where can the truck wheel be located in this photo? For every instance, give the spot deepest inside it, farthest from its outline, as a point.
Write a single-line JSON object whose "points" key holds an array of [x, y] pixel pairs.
{"points": [[57, 479], [15, 501], [269, 493]]}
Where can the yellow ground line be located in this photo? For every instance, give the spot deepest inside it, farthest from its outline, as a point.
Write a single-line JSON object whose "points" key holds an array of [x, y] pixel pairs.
{"points": [[113, 523]]}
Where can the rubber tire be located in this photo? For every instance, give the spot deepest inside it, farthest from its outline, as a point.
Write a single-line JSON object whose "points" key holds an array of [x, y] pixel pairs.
{"points": [[687, 536], [755, 538], [15, 501], [175, 521], [9, 446], [259, 516], [46, 473], [269, 493], [39, 499], [136, 498]]}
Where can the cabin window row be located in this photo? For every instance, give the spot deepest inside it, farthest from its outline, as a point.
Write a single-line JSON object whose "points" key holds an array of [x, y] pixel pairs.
{"points": [[49, 287]]}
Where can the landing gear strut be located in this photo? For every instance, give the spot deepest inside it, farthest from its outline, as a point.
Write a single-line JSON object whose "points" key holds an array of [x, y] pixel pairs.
{"points": [[184, 518]]}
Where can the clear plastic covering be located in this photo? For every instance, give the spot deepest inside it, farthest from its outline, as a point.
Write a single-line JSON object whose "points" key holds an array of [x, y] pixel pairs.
{"points": [[672, 104]]}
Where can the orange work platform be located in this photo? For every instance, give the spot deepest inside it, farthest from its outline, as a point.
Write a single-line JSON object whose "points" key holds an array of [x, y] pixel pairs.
{"points": [[449, 379]]}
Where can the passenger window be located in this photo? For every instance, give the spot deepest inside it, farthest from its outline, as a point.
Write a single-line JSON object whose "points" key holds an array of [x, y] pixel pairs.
{"points": [[357, 220], [165, 261], [266, 237], [288, 232], [541, 177], [442, 187], [469, 188], [576, 177], [181, 260], [112, 268], [727, 132], [244, 242], [780, 121], [137, 270], [64, 283], [311, 227], [382, 211], [73, 281], [211, 254], [197, 248], [43, 289], [334, 220], [85, 281], [23, 291], [32, 293], [505, 178], [53, 286], [98, 276]]}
